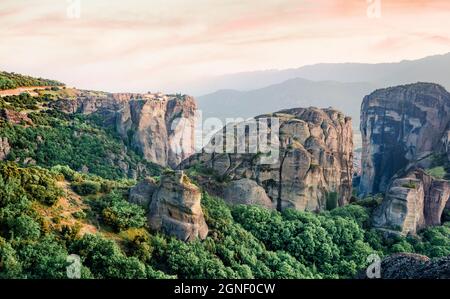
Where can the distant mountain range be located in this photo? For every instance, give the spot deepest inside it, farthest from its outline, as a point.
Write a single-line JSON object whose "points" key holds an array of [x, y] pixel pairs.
{"points": [[289, 94], [341, 85], [433, 68]]}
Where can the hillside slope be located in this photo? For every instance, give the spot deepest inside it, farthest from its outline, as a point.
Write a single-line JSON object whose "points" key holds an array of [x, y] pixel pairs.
{"points": [[13, 80], [68, 186]]}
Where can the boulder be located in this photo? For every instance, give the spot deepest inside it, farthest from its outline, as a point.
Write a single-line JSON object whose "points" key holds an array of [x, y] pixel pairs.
{"points": [[15, 117], [248, 192], [175, 208], [142, 193], [412, 202]]}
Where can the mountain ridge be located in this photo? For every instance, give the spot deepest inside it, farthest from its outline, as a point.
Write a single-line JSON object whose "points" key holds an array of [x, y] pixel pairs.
{"points": [[297, 92], [245, 81]]}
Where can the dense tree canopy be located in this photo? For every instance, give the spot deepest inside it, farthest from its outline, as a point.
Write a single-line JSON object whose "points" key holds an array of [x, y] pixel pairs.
{"points": [[59, 139], [64, 188], [243, 242], [13, 80]]}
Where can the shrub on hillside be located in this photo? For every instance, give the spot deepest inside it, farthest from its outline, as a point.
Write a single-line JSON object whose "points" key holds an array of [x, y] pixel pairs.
{"points": [[87, 187]]}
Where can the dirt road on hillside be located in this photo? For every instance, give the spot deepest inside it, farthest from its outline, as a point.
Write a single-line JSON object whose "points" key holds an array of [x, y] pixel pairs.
{"points": [[18, 91]]}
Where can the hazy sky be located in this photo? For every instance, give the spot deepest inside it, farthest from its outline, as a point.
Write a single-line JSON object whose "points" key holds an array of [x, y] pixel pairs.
{"points": [[142, 45]]}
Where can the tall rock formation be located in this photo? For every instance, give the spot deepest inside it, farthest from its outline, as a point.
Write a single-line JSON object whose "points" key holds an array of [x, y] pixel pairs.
{"points": [[405, 136], [173, 205], [412, 202], [313, 150], [399, 126], [161, 127]]}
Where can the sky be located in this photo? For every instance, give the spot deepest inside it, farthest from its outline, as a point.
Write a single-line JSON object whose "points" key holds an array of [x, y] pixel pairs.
{"points": [[169, 45]]}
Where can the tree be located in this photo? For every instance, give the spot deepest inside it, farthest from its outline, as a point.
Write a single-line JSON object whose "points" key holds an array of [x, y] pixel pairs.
{"points": [[105, 259], [43, 259], [121, 214], [10, 266], [86, 187], [24, 228]]}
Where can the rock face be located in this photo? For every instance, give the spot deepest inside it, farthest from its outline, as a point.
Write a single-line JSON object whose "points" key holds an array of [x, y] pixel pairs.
{"points": [[404, 129], [160, 126], [313, 150], [413, 266], [399, 126], [248, 192], [142, 193], [15, 117], [4, 148], [413, 201], [173, 206]]}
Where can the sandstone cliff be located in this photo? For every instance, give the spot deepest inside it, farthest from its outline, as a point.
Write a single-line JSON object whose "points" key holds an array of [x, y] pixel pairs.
{"points": [[314, 154], [174, 206], [405, 135], [160, 126], [248, 192], [399, 126], [412, 202]]}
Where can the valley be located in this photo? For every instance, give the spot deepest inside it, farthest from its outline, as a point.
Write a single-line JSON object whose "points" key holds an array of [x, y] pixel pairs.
{"points": [[115, 179]]}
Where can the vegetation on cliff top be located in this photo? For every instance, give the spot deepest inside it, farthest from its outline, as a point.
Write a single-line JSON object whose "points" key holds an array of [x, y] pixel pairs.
{"points": [[54, 138], [13, 80]]}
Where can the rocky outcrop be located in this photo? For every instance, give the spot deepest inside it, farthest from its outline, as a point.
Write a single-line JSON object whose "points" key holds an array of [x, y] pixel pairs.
{"points": [[247, 192], [413, 266], [412, 202], [176, 210], [174, 206], [142, 193], [4, 148], [400, 125], [15, 117], [159, 126], [404, 131], [311, 157]]}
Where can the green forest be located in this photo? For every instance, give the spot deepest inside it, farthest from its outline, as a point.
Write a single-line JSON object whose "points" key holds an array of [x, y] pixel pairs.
{"points": [[56, 138], [13, 80], [64, 188], [244, 241]]}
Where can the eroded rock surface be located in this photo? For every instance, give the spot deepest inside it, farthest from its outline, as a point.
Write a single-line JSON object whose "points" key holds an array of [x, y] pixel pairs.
{"points": [[413, 202], [160, 126], [405, 134], [400, 125], [248, 192], [173, 205], [314, 158], [142, 193], [15, 117]]}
